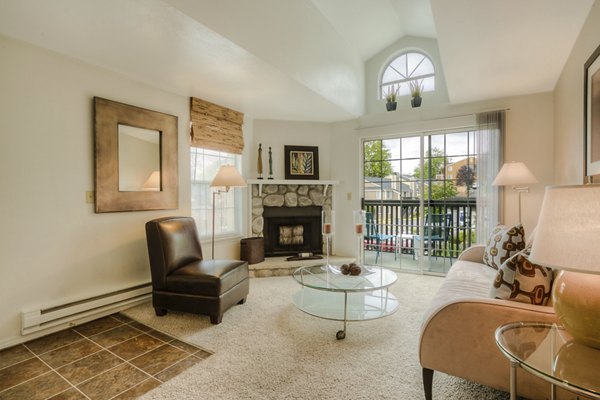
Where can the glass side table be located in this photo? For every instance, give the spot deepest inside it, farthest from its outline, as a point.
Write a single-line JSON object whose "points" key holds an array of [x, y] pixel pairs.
{"points": [[548, 352]]}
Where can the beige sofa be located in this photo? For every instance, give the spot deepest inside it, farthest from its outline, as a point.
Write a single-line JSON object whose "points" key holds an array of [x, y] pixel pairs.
{"points": [[457, 335]]}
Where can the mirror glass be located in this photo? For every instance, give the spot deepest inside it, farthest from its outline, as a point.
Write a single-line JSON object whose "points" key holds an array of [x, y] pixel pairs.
{"points": [[139, 159]]}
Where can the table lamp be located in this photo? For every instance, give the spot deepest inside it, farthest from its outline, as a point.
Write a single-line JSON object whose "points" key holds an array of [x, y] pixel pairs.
{"points": [[227, 176], [566, 237], [515, 174]]}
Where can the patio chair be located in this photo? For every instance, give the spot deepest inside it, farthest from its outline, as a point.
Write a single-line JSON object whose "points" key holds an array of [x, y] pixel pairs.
{"points": [[374, 237], [435, 232]]}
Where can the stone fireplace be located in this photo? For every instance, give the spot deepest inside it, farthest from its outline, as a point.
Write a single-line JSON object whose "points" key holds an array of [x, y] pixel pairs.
{"points": [[288, 216]]}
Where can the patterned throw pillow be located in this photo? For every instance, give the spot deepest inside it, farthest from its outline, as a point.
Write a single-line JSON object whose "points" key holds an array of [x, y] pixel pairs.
{"points": [[503, 243], [519, 279]]}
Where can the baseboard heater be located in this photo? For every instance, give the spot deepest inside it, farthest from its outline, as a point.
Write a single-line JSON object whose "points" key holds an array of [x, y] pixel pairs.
{"points": [[77, 312]]}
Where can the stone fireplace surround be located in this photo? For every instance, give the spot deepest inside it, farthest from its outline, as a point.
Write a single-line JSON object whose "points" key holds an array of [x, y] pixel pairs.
{"points": [[282, 193]]}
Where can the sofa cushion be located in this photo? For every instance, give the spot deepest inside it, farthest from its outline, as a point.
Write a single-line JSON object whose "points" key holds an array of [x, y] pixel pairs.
{"points": [[466, 280], [503, 243], [519, 279]]}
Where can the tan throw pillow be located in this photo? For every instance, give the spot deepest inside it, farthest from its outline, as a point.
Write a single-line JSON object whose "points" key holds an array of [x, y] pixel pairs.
{"points": [[503, 243], [518, 279]]}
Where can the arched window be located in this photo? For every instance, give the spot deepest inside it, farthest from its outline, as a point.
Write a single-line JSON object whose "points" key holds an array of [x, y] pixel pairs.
{"points": [[407, 67]]}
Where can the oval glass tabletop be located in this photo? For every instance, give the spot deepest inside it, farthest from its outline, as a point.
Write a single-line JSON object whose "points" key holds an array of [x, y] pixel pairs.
{"points": [[330, 278]]}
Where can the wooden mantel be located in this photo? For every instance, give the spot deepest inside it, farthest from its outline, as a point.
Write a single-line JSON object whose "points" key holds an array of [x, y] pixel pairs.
{"points": [[261, 182]]}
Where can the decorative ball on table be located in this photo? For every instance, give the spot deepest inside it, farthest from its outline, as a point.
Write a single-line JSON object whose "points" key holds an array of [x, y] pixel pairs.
{"points": [[350, 269]]}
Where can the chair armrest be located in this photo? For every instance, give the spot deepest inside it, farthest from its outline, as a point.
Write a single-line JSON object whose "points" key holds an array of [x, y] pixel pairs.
{"points": [[473, 253]]}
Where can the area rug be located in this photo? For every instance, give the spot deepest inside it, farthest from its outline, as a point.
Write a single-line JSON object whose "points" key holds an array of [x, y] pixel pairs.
{"points": [[268, 349]]}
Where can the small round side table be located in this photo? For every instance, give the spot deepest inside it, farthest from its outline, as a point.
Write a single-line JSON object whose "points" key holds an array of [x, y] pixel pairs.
{"points": [[549, 352]]}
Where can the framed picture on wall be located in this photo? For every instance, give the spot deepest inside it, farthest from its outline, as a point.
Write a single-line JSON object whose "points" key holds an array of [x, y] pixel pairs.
{"points": [[592, 117], [301, 162]]}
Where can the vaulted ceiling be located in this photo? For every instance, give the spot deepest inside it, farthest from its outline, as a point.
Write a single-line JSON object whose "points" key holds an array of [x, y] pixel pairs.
{"points": [[303, 59]]}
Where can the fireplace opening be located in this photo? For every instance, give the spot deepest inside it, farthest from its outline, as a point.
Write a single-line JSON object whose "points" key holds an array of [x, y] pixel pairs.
{"points": [[292, 230]]}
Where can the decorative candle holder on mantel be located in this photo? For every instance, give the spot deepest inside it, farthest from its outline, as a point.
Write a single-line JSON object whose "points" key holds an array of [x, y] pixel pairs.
{"points": [[327, 224]]}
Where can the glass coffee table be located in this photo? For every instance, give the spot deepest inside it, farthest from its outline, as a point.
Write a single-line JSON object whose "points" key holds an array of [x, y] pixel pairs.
{"points": [[548, 352], [327, 293]]}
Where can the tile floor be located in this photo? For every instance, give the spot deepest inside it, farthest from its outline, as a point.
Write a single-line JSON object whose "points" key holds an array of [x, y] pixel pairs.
{"points": [[113, 357]]}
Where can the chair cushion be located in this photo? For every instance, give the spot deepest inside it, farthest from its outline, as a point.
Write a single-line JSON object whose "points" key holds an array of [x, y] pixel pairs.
{"points": [[518, 279], [503, 243], [207, 277]]}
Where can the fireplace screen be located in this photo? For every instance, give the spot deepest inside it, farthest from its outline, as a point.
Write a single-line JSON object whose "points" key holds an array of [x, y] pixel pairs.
{"points": [[293, 234], [292, 230]]}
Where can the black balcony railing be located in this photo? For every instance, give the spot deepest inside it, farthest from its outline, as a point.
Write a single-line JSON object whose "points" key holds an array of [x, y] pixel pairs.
{"points": [[451, 222]]}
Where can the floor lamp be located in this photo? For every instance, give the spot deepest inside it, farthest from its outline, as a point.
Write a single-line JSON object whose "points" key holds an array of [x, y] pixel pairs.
{"points": [[515, 174], [227, 176]]}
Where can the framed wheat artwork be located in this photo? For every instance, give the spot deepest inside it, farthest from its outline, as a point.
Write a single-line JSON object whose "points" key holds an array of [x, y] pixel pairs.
{"points": [[301, 162]]}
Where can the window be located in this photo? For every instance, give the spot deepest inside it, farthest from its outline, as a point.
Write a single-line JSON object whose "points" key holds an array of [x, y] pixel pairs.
{"points": [[407, 67], [408, 182], [228, 212]]}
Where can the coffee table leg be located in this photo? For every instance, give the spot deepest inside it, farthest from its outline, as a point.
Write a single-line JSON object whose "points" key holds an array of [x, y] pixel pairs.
{"points": [[342, 334]]}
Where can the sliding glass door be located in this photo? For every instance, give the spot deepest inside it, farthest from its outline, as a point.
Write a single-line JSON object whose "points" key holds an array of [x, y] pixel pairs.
{"points": [[419, 193]]}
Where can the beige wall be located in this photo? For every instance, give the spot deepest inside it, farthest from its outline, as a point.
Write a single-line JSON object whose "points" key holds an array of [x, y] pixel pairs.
{"points": [[54, 247], [568, 100]]}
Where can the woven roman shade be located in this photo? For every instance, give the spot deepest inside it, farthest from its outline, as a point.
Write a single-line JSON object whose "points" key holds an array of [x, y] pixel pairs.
{"points": [[215, 127]]}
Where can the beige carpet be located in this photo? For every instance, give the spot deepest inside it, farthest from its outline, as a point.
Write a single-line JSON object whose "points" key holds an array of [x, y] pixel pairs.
{"points": [[267, 349]]}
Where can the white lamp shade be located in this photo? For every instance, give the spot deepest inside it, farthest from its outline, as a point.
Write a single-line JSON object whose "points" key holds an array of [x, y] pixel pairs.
{"points": [[228, 176], [153, 181], [568, 230], [514, 173]]}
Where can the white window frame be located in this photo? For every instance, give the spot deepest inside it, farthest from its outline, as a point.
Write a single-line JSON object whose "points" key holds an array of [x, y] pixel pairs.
{"points": [[202, 194], [407, 75]]}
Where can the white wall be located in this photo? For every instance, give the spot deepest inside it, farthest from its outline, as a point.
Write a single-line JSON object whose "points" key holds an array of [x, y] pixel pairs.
{"points": [[277, 134], [321, 58], [54, 247], [568, 99]]}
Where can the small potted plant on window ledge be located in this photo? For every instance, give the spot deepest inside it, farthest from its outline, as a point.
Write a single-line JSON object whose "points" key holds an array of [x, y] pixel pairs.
{"points": [[416, 88], [390, 98]]}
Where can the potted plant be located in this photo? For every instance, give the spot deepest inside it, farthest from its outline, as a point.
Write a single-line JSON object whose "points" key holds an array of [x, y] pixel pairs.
{"points": [[416, 87], [390, 97]]}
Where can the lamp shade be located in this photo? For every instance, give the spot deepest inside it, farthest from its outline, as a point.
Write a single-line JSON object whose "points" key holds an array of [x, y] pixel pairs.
{"points": [[514, 173], [568, 229], [228, 176]]}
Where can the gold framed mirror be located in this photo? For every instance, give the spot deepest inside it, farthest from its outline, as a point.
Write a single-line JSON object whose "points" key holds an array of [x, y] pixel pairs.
{"points": [[136, 158]]}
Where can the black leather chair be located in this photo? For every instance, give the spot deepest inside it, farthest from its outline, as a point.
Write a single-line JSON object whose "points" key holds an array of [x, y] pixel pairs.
{"points": [[182, 280]]}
